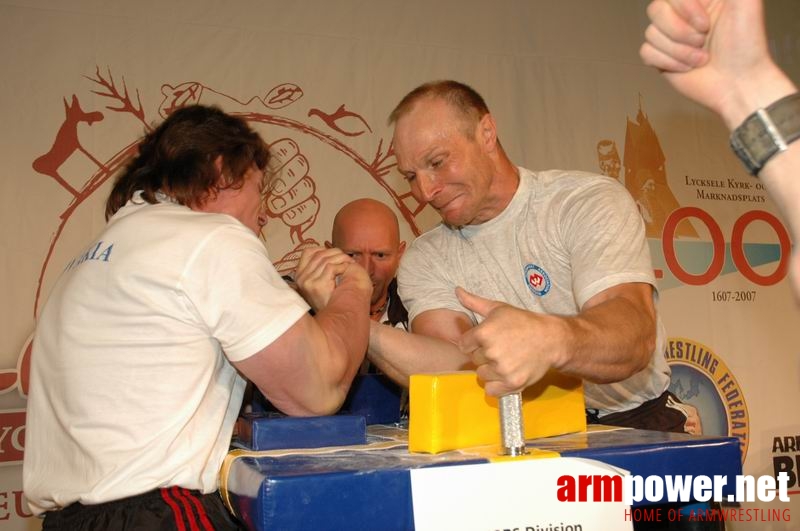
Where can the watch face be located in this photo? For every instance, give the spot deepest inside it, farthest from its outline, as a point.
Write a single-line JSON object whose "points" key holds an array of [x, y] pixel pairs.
{"points": [[743, 155], [767, 132], [752, 141], [746, 146], [785, 114]]}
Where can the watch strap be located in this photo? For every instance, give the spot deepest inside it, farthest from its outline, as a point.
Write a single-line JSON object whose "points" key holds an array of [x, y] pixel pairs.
{"points": [[766, 132]]}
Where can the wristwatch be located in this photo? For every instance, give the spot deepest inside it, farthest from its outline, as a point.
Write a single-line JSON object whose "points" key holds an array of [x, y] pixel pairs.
{"points": [[766, 132]]}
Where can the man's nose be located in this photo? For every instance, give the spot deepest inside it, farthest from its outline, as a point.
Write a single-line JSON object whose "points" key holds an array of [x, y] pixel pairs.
{"points": [[365, 261], [427, 185]]}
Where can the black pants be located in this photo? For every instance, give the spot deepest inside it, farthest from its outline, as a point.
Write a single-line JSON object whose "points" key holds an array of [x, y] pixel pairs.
{"points": [[169, 509], [664, 413], [661, 414]]}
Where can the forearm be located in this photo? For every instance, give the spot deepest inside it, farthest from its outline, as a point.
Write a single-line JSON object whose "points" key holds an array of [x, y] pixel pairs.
{"points": [[608, 342], [399, 354], [757, 88], [781, 176], [780, 173], [308, 369], [345, 333]]}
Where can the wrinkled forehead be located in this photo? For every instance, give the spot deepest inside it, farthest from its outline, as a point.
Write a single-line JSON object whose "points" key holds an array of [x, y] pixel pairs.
{"points": [[425, 127], [433, 110]]}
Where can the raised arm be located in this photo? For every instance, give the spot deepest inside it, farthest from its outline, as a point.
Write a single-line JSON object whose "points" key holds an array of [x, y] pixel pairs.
{"points": [[309, 368], [716, 53]]}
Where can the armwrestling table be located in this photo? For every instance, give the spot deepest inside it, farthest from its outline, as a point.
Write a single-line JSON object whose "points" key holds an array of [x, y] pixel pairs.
{"points": [[368, 486]]}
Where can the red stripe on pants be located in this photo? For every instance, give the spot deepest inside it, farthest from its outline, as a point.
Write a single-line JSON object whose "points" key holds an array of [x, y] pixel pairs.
{"points": [[201, 511], [176, 511]]}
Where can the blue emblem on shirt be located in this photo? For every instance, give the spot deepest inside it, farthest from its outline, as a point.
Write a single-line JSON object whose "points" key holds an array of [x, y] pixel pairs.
{"points": [[537, 279]]}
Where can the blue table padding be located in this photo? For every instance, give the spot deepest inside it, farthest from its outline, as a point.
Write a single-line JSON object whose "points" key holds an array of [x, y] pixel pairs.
{"points": [[383, 499], [655, 453], [270, 431], [375, 397], [371, 488], [347, 489]]}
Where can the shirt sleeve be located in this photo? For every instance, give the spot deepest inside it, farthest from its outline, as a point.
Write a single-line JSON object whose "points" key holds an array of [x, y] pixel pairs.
{"points": [[425, 282], [605, 238], [238, 294]]}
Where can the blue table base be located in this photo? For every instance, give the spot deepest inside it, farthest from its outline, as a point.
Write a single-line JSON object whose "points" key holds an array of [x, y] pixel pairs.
{"points": [[353, 488]]}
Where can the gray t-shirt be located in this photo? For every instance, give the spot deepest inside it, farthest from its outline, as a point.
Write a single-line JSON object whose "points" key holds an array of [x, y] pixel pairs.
{"points": [[563, 238]]}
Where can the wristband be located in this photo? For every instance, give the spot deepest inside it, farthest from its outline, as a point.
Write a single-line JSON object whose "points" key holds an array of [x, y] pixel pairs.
{"points": [[767, 132]]}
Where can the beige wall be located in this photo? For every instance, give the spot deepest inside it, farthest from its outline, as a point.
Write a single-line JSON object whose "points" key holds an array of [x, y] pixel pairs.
{"points": [[559, 76]]}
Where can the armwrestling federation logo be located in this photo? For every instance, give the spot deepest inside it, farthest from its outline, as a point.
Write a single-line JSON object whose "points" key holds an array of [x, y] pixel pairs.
{"points": [[537, 280], [713, 399]]}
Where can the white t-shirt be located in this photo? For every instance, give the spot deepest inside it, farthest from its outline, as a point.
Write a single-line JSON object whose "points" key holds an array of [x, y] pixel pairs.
{"points": [[131, 385], [563, 238]]}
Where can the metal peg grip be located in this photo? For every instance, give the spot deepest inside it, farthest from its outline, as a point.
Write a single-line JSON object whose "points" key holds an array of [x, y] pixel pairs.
{"points": [[512, 432]]}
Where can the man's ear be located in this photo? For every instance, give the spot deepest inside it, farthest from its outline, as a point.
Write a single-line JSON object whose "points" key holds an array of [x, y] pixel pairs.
{"points": [[222, 179], [487, 132], [401, 249]]}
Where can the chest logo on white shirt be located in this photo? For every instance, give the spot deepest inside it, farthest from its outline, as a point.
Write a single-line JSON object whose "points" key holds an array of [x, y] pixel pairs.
{"points": [[537, 279]]}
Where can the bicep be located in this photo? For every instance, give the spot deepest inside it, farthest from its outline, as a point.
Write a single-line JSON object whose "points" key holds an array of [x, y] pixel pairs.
{"points": [[637, 294], [443, 324], [285, 369]]}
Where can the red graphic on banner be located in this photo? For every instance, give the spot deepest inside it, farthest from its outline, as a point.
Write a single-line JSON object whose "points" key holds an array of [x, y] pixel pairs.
{"points": [[111, 91], [19, 377], [12, 436], [342, 116], [67, 143], [191, 92], [12, 421], [179, 96], [283, 95], [293, 197]]}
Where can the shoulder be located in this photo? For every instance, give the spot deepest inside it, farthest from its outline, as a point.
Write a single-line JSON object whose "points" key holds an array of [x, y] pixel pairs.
{"points": [[573, 187], [216, 242], [176, 230], [174, 217], [571, 180], [430, 241]]}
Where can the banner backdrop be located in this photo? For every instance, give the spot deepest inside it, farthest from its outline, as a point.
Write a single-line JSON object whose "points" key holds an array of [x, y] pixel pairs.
{"points": [[82, 80]]}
